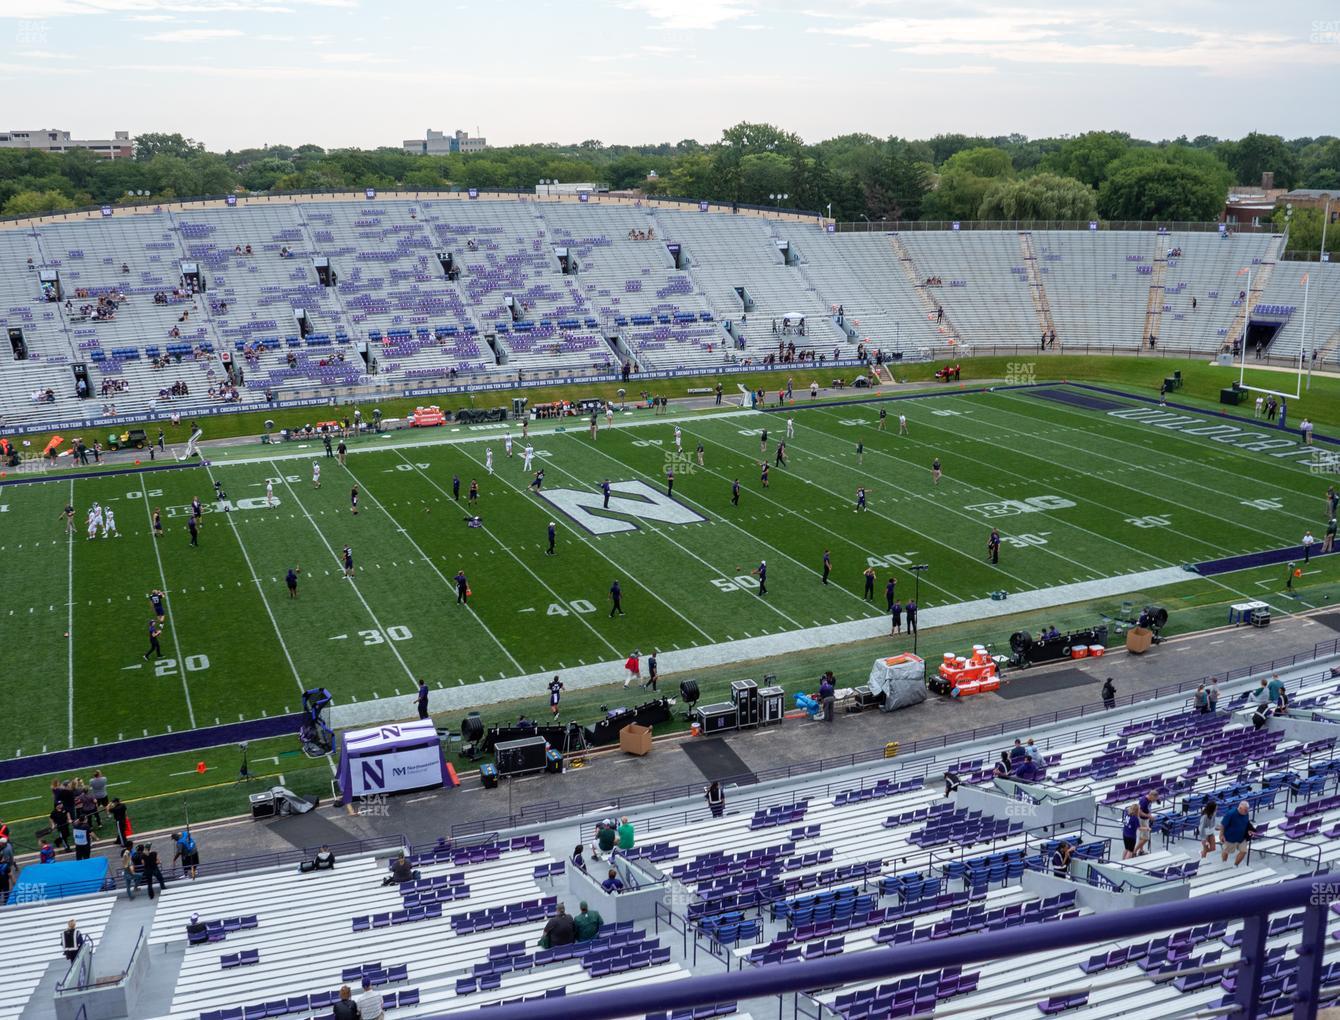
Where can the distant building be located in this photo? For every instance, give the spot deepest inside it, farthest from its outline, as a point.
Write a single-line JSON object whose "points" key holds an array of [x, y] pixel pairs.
{"points": [[51, 140], [1257, 205], [438, 144]]}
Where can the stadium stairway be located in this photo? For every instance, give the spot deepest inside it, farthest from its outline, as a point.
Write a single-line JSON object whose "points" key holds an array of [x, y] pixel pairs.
{"points": [[931, 304], [1036, 289]]}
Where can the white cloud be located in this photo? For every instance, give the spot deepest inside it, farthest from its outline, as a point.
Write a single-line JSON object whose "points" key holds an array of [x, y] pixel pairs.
{"points": [[145, 9], [691, 14], [956, 70], [192, 35], [356, 58]]}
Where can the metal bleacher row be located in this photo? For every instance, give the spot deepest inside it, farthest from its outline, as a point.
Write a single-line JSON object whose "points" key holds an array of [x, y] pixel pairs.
{"points": [[874, 856], [513, 308]]}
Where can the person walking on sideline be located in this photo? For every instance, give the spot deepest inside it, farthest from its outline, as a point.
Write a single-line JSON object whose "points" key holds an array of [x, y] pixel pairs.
{"points": [[616, 598], [421, 702]]}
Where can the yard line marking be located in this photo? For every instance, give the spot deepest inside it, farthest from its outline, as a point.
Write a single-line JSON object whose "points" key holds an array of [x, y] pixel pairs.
{"points": [[1233, 451], [335, 556], [283, 645], [172, 616], [581, 617], [952, 596], [706, 512], [625, 573], [69, 625], [443, 577]]}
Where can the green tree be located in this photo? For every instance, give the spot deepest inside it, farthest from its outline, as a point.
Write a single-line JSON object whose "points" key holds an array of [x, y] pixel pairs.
{"points": [[1305, 232], [964, 181], [36, 203], [763, 174], [262, 174], [155, 143], [1256, 154], [1321, 164], [1087, 157], [1040, 197], [1172, 183]]}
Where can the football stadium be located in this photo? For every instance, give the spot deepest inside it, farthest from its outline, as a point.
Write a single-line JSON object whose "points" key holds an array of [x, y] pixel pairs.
{"points": [[839, 580]]}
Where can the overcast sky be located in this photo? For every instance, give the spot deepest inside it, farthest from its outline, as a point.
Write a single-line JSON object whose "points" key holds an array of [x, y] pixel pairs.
{"points": [[238, 73]]}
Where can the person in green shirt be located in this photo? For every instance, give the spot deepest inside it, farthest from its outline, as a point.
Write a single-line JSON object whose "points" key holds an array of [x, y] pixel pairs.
{"points": [[625, 833], [605, 837], [588, 923]]}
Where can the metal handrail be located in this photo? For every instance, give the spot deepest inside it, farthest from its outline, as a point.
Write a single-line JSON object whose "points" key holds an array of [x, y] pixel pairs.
{"points": [[1254, 906]]}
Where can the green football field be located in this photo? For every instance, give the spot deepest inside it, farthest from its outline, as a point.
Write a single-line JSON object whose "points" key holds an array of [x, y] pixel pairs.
{"points": [[1078, 493]]}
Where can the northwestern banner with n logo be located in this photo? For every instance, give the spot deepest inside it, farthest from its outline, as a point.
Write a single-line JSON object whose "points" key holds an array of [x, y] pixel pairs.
{"points": [[629, 503], [396, 770]]}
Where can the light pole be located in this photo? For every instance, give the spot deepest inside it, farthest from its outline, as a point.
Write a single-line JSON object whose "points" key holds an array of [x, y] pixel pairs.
{"points": [[778, 198], [867, 220], [917, 569]]}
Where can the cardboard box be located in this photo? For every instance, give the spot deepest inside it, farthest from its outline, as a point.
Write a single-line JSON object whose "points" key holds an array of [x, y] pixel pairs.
{"points": [[1138, 640], [635, 739]]}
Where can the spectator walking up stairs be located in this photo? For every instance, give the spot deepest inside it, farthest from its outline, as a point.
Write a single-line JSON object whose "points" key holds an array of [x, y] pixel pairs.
{"points": [[1155, 302], [1036, 289], [928, 300], [1261, 272]]}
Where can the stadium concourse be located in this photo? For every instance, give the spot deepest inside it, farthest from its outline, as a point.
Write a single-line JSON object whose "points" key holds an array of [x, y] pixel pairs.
{"points": [[828, 862], [199, 307]]}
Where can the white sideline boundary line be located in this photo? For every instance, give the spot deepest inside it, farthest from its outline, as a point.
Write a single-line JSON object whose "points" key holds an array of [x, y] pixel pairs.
{"points": [[493, 436], [725, 653], [172, 614]]}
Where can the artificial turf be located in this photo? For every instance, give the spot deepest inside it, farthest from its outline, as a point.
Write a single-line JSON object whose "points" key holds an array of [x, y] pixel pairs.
{"points": [[1077, 494]]}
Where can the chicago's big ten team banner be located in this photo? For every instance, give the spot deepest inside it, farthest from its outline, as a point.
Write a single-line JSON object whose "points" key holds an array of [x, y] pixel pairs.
{"points": [[391, 758]]}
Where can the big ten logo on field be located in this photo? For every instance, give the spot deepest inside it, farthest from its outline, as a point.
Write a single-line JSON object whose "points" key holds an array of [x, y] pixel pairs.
{"points": [[1030, 505], [635, 502], [1021, 373]]}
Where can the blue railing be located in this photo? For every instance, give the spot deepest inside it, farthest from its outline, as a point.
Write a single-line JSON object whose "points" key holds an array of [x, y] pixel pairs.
{"points": [[1251, 906]]}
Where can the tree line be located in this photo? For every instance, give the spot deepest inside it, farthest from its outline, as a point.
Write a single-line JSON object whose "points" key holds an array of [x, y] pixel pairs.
{"points": [[1100, 174]]}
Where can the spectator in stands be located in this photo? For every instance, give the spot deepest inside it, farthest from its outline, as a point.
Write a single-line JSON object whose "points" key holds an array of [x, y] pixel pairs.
{"points": [[71, 939], [606, 835], [1017, 753], [1109, 693], [128, 873], [46, 853], [625, 833], [587, 923], [952, 782], [716, 799], [1060, 861], [559, 931], [1130, 831], [578, 858], [1207, 826], [370, 1002], [400, 871], [197, 931], [1273, 689], [1282, 705], [346, 1008], [1144, 810], [1260, 716], [1032, 753], [1212, 692], [323, 861], [1261, 695], [1002, 768], [613, 883], [1201, 701], [1235, 830]]}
